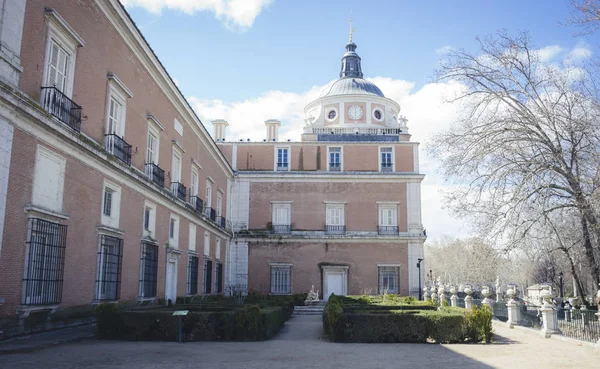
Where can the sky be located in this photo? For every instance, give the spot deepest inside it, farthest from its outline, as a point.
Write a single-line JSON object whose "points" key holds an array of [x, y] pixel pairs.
{"points": [[251, 60]]}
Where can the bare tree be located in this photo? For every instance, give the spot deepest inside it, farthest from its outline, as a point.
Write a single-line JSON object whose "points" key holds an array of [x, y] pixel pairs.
{"points": [[586, 14], [527, 144]]}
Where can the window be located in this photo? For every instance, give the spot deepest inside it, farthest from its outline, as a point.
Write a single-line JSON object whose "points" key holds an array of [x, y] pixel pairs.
{"points": [[335, 159], [206, 244], [388, 220], [388, 279], [48, 180], [192, 275], [192, 238], [178, 127], [174, 231], [116, 116], [58, 67], [207, 281], [219, 203], [282, 159], [281, 279], [281, 218], [176, 166], [218, 277], [218, 249], [208, 198], [152, 146], [387, 162], [111, 199], [148, 270], [149, 220], [107, 201], [194, 182], [45, 260], [108, 280]]}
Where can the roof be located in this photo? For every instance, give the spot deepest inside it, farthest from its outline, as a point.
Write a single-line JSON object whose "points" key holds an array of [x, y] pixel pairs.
{"points": [[350, 86]]}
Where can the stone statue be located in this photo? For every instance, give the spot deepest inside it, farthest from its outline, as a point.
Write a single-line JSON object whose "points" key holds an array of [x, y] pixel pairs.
{"points": [[312, 296]]}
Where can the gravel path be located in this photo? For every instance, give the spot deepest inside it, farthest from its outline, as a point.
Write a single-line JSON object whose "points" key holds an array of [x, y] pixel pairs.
{"points": [[299, 345]]}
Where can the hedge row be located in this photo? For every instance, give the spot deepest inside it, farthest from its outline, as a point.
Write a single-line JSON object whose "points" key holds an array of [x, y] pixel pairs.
{"points": [[250, 323]]}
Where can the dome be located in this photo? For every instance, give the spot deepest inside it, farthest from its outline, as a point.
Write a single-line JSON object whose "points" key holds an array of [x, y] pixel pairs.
{"points": [[350, 86]]}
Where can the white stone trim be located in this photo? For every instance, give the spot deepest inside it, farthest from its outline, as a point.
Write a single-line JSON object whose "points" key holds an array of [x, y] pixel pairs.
{"points": [[179, 145], [6, 142], [151, 232], [281, 201], [114, 91], [30, 208], [112, 220], [389, 265], [393, 156], [174, 239], [113, 79], [335, 202], [109, 231], [234, 156], [152, 119], [58, 21], [337, 114], [275, 264], [372, 177], [416, 158], [289, 157], [388, 202], [64, 40], [382, 114], [341, 147], [42, 151]]}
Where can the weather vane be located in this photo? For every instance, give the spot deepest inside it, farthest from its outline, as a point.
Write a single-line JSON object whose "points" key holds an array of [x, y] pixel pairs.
{"points": [[351, 29]]}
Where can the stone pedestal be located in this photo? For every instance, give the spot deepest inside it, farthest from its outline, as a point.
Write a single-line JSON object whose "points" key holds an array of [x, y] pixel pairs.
{"points": [[489, 303], [598, 315], [453, 299], [468, 302], [550, 321], [513, 313]]}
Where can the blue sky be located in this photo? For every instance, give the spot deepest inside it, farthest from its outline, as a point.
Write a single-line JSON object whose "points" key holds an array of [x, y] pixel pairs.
{"points": [[252, 60]]}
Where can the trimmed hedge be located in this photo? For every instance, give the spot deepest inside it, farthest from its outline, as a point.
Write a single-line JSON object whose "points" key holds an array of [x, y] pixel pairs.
{"points": [[250, 323]]}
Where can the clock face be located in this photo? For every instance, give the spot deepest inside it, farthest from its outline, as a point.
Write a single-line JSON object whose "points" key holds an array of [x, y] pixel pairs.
{"points": [[355, 112]]}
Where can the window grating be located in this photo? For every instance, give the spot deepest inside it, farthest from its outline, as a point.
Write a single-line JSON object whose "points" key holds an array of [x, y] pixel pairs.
{"points": [[45, 263], [110, 256], [281, 281], [388, 279], [218, 278], [192, 275], [149, 270], [207, 280], [107, 202]]}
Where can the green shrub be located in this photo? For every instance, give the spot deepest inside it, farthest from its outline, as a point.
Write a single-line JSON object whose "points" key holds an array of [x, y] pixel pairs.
{"points": [[479, 324], [408, 300]]}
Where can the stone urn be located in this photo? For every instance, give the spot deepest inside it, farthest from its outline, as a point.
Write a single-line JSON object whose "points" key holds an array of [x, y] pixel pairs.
{"points": [[468, 291], [511, 293], [485, 291], [453, 290], [547, 295], [441, 290]]}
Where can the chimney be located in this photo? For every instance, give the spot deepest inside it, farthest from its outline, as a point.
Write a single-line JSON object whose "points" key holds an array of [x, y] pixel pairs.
{"points": [[272, 129], [220, 129]]}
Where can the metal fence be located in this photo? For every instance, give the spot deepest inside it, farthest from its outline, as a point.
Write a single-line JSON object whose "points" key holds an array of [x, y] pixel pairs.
{"points": [[581, 325]]}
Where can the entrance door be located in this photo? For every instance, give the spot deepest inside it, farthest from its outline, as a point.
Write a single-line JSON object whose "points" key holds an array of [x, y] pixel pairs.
{"points": [[171, 282], [334, 281]]}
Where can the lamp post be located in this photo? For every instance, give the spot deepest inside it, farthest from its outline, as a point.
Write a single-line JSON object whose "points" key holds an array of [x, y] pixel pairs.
{"points": [[431, 275], [560, 282], [419, 260]]}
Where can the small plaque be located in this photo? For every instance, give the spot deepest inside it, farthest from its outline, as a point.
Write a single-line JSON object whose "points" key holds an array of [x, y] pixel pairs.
{"points": [[180, 312]]}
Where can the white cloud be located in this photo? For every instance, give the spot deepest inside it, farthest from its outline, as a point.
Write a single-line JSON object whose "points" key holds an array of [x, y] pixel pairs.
{"points": [[580, 52], [233, 13], [425, 109], [444, 50], [548, 53]]}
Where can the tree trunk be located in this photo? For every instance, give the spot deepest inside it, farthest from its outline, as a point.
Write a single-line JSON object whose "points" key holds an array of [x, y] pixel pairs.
{"points": [[589, 251], [578, 284]]}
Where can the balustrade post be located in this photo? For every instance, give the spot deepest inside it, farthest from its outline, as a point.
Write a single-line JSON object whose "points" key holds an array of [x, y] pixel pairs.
{"points": [[442, 295], [485, 291], [549, 314], [468, 298], [425, 293], [453, 298], [513, 308]]}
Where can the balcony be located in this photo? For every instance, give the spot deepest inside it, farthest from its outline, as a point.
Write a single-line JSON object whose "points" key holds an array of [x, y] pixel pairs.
{"points": [[282, 167], [222, 222], [335, 167], [61, 107], [197, 203], [155, 174], [118, 147], [282, 229], [179, 190], [387, 167], [387, 230], [210, 213], [335, 229]]}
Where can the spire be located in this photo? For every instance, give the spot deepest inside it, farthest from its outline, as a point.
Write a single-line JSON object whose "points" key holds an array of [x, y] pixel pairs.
{"points": [[351, 61]]}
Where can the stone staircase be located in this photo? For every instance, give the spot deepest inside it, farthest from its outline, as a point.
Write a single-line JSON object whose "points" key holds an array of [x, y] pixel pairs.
{"points": [[314, 309]]}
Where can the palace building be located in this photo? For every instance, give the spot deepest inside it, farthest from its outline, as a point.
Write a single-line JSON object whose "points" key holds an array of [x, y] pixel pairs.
{"points": [[112, 189]]}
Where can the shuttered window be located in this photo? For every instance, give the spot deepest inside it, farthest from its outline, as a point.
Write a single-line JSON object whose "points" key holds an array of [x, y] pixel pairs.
{"points": [[281, 279], [58, 68]]}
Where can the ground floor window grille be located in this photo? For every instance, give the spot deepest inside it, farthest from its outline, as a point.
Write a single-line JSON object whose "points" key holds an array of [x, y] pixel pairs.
{"points": [[207, 280], [192, 275], [281, 281], [45, 261], [218, 278], [148, 270], [388, 279], [108, 280]]}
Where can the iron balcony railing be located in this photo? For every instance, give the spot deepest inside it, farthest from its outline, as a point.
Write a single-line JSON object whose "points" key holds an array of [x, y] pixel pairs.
{"points": [[210, 213], [222, 222], [118, 147], [60, 106], [179, 190], [282, 167], [386, 167], [388, 230], [335, 167], [155, 174], [335, 229], [197, 203], [282, 229]]}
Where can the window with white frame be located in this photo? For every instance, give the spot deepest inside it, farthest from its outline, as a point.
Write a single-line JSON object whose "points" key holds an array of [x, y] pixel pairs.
{"points": [[111, 204], [388, 279], [152, 146], [192, 275], [386, 159], [194, 182], [178, 127], [148, 270], [218, 277], [388, 218], [48, 179], [334, 222], [192, 238], [281, 217], [219, 203], [174, 231], [218, 249], [207, 278], [115, 120], [208, 198], [282, 159], [335, 159], [176, 166], [281, 279], [206, 244], [149, 222], [108, 279]]}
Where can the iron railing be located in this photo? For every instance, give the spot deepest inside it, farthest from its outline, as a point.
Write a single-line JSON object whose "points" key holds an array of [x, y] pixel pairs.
{"points": [[155, 174], [387, 167], [281, 281], [149, 267], [282, 229], [387, 230], [335, 167], [108, 281], [282, 167], [43, 282], [60, 106], [192, 276], [210, 213], [218, 277], [118, 147], [179, 190], [578, 324], [197, 203], [335, 229], [352, 131], [207, 280], [222, 222]]}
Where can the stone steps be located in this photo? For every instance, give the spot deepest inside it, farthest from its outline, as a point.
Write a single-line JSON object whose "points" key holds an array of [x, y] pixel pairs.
{"points": [[309, 310]]}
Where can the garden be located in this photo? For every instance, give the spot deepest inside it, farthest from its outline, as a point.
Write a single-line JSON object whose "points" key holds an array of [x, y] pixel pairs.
{"points": [[213, 318], [393, 319]]}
